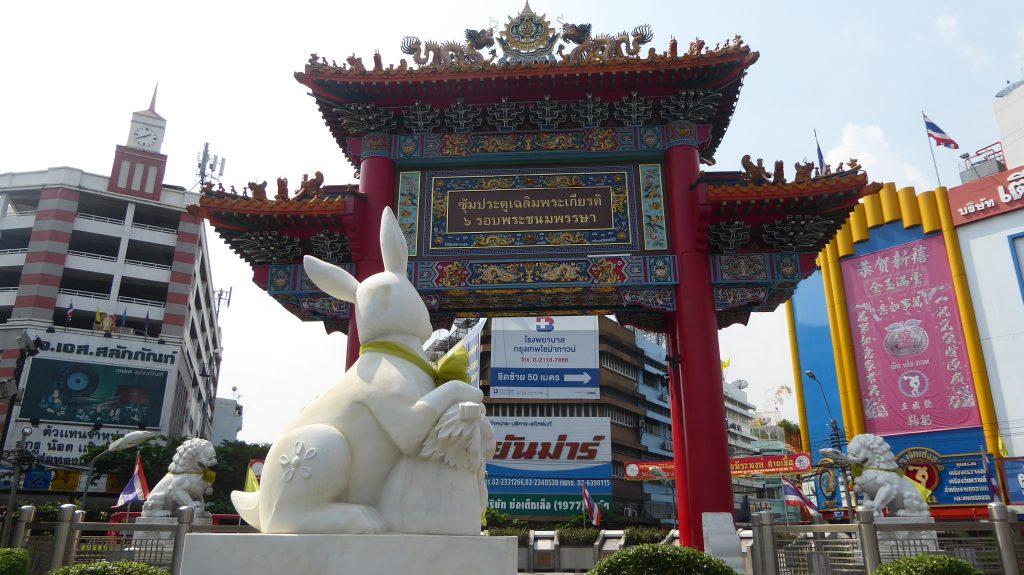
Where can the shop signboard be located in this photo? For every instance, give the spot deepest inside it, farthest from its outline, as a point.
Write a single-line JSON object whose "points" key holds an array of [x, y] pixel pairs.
{"points": [[989, 196], [545, 358], [949, 463], [643, 470], [541, 462], [787, 464], [65, 444], [908, 340], [78, 380], [1013, 473]]}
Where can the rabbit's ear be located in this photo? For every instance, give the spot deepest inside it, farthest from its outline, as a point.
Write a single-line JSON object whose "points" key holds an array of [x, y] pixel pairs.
{"points": [[393, 249], [333, 280]]}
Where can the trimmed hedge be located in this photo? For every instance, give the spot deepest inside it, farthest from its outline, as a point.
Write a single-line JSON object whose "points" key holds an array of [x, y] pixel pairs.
{"points": [[577, 537], [523, 535], [927, 565], [642, 535], [13, 561], [660, 559], [106, 568]]}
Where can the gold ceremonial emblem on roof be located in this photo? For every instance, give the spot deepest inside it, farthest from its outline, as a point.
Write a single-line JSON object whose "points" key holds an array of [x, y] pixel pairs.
{"points": [[528, 32]]}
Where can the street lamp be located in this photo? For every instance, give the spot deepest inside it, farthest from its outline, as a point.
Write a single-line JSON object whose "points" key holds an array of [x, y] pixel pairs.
{"points": [[837, 445], [130, 440], [20, 458], [663, 477]]}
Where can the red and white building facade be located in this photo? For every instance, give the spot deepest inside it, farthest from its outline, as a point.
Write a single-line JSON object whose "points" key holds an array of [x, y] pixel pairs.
{"points": [[988, 212], [121, 253]]}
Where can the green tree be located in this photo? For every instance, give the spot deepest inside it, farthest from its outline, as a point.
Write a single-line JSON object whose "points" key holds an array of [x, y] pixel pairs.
{"points": [[232, 465]]}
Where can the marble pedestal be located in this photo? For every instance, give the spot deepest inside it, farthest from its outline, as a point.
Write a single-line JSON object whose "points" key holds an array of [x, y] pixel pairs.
{"points": [[721, 539], [895, 544], [392, 554]]}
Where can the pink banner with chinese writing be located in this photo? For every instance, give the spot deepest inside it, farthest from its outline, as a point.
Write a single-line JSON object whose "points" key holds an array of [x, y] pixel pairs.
{"points": [[908, 340]]}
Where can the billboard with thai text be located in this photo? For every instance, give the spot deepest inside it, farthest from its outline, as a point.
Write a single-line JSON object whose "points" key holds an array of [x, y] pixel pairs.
{"points": [[989, 196], [788, 464], [541, 462], [545, 358], [80, 379], [908, 340]]}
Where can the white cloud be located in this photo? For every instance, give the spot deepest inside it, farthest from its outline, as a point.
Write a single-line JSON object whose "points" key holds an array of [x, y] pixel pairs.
{"points": [[979, 59], [868, 144], [947, 27]]}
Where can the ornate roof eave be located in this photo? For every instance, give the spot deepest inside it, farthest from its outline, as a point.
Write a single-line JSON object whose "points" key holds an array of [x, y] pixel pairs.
{"points": [[737, 55], [333, 86]]}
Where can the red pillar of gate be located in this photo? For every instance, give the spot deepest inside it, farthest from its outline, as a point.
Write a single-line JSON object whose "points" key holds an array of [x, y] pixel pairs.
{"points": [[696, 330], [678, 435], [377, 184]]}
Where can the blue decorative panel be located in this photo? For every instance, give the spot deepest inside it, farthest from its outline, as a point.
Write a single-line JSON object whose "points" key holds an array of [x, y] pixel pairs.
{"points": [[409, 208], [652, 201]]}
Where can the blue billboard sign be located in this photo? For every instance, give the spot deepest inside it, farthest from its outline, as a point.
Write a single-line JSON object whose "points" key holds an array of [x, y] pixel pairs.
{"points": [[545, 358], [542, 462]]}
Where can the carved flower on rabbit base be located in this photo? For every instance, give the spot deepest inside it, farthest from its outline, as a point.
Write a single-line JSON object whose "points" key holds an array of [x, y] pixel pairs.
{"points": [[294, 463]]}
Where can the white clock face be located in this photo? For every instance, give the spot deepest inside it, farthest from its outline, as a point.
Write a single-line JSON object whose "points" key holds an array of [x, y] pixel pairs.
{"points": [[144, 136]]}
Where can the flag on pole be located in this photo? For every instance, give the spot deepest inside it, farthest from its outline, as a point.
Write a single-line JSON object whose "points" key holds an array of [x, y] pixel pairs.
{"points": [[136, 490], [991, 478], [935, 133], [99, 318], [124, 317], [590, 507], [71, 312], [795, 497], [821, 157], [145, 327], [251, 482], [726, 363]]}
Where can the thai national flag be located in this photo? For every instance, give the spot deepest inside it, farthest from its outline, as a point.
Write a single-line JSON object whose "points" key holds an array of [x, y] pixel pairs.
{"points": [[941, 138], [136, 490], [795, 497], [991, 477], [71, 312], [590, 506]]}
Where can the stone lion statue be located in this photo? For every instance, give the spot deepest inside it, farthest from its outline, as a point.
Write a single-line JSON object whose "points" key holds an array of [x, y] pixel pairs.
{"points": [[879, 478], [188, 479]]}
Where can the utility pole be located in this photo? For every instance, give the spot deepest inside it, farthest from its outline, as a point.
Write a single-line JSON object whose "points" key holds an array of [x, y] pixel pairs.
{"points": [[836, 439]]}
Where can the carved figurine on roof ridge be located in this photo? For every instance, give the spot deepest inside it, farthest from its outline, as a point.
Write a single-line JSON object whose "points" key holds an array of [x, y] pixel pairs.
{"points": [[754, 173], [259, 191], [804, 172], [603, 48], [451, 55], [282, 189], [311, 188]]}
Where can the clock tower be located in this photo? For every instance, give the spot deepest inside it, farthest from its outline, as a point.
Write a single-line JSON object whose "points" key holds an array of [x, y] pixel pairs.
{"points": [[138, 165]]}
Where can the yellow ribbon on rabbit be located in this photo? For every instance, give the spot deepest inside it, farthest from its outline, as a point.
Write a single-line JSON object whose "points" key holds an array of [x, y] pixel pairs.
{"points": [[454, 364]]}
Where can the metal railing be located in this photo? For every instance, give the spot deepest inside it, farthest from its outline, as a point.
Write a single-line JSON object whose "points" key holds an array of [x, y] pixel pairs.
{"points": [[83, 293], [23, 213], [103, 219], [92, 256], [155, 228], [13, 251], [140, 301], [141, 263], [994, 546], [72, 540]]}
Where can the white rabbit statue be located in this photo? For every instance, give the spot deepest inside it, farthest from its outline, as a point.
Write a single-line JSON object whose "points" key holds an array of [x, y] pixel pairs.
{"points": [[387, 449]]}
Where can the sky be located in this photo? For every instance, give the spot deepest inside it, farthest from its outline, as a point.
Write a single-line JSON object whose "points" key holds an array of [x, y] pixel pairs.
{"points": [[860, 73]]}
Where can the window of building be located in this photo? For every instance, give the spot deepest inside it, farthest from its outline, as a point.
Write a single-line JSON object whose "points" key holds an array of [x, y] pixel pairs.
{"points": [[619, 366]]}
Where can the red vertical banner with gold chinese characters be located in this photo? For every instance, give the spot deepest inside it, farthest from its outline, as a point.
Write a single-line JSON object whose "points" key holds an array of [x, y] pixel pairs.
{"points": [[908, 340]]}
